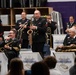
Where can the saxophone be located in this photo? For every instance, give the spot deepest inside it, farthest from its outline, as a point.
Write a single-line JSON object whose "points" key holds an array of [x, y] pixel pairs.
{"points": [[30, 32]]}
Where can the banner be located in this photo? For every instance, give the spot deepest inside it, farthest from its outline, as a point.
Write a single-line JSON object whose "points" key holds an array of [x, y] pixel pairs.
{"points": [[65, 60], [29, 58]]}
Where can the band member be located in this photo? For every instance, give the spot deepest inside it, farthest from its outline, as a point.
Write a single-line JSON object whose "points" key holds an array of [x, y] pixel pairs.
{"points": [[51, 24], [71, 22], [70, 39], [39, 30], [12, 46], [24, 24]]}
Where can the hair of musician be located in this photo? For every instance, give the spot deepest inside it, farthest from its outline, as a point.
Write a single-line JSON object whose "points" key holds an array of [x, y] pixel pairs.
{"points": [[23, 12], [37, 11], [14, 30], [50, 61], [72, 17]]}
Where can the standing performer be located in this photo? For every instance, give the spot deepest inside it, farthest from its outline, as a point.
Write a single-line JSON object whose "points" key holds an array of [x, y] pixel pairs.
{"points": [[22, 26], [39, 32]]}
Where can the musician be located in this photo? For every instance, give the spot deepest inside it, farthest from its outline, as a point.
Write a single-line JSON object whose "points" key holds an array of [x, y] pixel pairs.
{"points": [[12, 46], [51, 24], [71, 22], [70, 39], [39, 30], [23, 35]]}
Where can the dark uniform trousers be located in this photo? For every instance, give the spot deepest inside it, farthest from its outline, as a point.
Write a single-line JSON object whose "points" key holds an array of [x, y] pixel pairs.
{"points": [[39, 36]]}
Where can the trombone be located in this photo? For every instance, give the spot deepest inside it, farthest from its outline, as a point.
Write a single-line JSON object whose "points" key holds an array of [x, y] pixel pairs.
{"points": [[19, 31]]}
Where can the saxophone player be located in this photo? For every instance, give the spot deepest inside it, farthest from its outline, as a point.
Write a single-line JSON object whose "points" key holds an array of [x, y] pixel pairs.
{"points": [[39, 32], [12, 46], [23, 23]]}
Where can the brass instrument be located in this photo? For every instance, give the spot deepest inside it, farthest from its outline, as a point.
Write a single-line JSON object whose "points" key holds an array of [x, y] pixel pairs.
{"points": [[2, 49], [66, 49], [19, 32], [30, 32], [49, 36]]}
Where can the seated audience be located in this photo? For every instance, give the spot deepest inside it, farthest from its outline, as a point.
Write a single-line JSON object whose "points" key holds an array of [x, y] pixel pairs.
{"points": [[72, 70], [39, 68], [16, 67], [51, 62]]}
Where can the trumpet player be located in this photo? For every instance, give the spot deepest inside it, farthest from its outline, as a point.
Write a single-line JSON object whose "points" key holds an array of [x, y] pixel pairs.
{"points": [[52, 25], [12, 46], [24, 24], [39, 30]]}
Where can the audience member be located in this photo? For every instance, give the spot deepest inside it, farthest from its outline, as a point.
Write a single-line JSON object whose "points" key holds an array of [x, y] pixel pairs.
{"points": [[16, 67], [51, 62], [39, 68], [72, 70]]}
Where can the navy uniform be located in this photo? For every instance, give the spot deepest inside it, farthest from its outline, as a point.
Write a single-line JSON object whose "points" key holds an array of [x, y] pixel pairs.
{"points": [[69, 25], [52, 25], [24, 35], [13, 52], [39, 35], [69, 40]]}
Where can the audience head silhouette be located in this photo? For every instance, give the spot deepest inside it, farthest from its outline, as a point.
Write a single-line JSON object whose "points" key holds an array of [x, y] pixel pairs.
{"points": [[16, 67], [50, 61], [39, 68]]}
